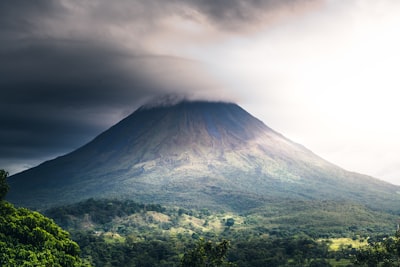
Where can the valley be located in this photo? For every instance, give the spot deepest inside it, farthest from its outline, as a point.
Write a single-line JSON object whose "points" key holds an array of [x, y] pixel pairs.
{"points": [[125, 233]]}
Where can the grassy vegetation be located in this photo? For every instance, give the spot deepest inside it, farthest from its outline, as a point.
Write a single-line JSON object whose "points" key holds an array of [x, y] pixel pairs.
{"points": [[337, 244], [126, 233]]}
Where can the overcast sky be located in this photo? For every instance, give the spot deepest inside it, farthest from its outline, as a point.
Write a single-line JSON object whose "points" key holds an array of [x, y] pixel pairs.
{"points": [[321, 72]]}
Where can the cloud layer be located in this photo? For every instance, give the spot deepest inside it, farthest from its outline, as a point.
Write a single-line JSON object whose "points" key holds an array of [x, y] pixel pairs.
{"points": [[70, 69]]}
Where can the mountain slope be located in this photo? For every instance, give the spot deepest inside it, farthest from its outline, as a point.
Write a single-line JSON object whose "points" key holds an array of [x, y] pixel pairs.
{"points": [[197, 154]]}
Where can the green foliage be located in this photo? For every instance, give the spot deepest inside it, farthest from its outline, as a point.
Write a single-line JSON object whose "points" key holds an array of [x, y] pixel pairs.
{"points": [[384, 252], [28, 238], [230, 222], [322, 219], [125, 233], [162, 250], [207, 254], [293, 251], [3, 184], [100, 211], [154, 251]]}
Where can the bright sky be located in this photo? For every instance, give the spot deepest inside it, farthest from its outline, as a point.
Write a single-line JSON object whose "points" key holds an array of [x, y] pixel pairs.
{"points": [[340, 87], [335, 83], [326, 78], [321, 72]]}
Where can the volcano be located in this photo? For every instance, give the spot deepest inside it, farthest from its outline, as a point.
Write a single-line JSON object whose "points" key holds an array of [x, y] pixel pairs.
{"points": [[195, 154]]}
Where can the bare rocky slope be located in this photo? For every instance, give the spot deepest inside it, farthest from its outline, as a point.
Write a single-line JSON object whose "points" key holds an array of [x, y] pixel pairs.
{"points": [[195, 154]]}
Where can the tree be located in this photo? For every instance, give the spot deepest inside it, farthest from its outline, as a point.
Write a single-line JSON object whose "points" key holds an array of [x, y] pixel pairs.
{"points": [[27, 238], [207, 254], [380, 253], [3, 184], [230, 222]]}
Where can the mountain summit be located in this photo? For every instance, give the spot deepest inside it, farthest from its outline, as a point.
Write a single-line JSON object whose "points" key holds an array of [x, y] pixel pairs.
{"points": [[198, 154]]}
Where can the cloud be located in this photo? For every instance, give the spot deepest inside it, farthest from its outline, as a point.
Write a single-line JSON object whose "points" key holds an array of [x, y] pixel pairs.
{"points": [[70, 69], [240, 15], [57, 93]]}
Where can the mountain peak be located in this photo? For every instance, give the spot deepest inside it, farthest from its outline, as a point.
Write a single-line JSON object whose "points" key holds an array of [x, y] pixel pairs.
{"points": [[170, 100], [192, 153], [164, 101]]}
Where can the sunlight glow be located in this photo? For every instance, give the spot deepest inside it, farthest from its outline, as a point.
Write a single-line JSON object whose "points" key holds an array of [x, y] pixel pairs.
{"points": [[331, 77]]}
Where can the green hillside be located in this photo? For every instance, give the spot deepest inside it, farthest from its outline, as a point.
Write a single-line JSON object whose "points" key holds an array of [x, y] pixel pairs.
{"points": [[126, 233]]}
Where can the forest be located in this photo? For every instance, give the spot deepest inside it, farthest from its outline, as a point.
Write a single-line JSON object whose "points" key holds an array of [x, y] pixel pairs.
{"points": [[115, 232], [27, 238]]}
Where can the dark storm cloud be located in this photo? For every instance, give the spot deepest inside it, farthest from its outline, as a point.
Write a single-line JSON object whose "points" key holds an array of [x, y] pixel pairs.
{"points": [[226, 15], [19, 17], [70, 69], [69, 72], [51, 91], [239, 15]]}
